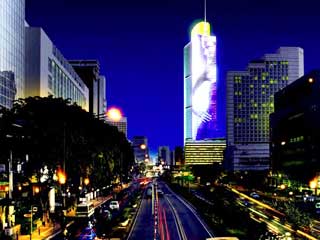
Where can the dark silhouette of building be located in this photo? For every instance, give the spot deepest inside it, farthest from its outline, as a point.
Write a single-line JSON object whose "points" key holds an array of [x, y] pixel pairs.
{"points": [[295, 129], [89, 72]]}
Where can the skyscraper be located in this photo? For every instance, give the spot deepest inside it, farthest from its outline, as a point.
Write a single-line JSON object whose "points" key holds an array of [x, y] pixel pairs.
{"points": [[49, 73], [121, 124], [140, 149], [12, 37], [200, 85], [250, 96], [164, 155]]}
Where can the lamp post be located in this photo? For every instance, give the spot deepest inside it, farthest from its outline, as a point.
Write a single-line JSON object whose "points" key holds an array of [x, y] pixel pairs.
{"points": [[314, 185], [62, 180]]}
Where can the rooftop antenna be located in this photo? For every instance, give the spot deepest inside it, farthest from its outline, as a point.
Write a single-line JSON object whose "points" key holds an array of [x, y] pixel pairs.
{"points": [[205, 10]]}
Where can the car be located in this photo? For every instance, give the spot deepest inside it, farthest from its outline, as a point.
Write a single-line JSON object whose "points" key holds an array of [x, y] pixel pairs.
{"points": [[114, 205], [254, 195], [149, 193], [87, 234], [106, 214], [160, 193]]}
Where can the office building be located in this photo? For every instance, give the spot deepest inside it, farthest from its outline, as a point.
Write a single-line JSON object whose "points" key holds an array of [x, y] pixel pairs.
{"points": [[295, 129], [140, 149], [200, 85], [102, 96], [204, 152], [250, 101], [121, 124], [164, 155], [49, 73], [89, 72], [12, 59]]}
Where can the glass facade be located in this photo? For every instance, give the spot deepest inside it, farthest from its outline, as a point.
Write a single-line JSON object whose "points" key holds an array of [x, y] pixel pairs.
{"points": [[253, 100], [250, 101], [60, 85], [12, 16]]}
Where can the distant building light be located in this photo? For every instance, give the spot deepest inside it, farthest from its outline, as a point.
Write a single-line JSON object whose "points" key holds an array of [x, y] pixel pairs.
{"points": [[143, 146], [283, 143]]}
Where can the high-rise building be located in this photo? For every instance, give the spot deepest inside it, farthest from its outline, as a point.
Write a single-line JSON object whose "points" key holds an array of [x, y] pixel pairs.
{"points": [[102, 96], [12, 37], [250, 101], [204, 152], [115, 118], [295, 129], [164, 155], [49, 73], [140, 149], [200, 85], [121, 124], [89, 71]]}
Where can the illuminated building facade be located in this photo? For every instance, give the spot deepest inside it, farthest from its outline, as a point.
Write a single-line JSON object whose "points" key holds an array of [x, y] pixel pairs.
{"points": [[89, 72], [295, 129], [140, 149], [204, 152], [250, 101], [200, 85], [49, 73], [12, 55]]}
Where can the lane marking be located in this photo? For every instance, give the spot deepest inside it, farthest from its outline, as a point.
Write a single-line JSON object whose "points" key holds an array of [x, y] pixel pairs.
{"points": [[182, 234], [135, 220], [192, 210]]}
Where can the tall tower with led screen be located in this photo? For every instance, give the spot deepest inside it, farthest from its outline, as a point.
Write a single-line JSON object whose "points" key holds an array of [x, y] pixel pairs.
{"points": [[200, 85]]}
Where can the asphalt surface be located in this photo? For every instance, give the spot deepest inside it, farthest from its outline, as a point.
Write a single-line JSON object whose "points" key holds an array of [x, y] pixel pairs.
{"points": [[176, 219], [143, 227]]}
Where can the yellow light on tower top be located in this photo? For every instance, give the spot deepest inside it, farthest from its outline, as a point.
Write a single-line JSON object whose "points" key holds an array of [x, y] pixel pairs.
{"points": [[114, 114], [201, 28]]}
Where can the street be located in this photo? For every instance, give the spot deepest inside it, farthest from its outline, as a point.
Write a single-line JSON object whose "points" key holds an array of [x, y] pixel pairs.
{"points": [[174, 219]]}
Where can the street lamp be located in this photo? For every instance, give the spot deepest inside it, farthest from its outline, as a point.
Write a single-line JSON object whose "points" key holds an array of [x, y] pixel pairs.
{"points": [[313, 184], [86, 181], [62, 180]]}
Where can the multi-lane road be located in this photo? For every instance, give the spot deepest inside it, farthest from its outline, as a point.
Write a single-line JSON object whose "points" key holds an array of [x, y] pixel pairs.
{"points": [[167, 216]]}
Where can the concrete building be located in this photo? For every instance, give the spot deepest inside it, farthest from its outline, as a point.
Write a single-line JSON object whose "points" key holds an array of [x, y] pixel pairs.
{"points": [[250, 97], [204, 152], [164, 155], [121, 124], [49, 73], [140, 149], [12, 58], [102, 96], [295, 129], [89, 72]]}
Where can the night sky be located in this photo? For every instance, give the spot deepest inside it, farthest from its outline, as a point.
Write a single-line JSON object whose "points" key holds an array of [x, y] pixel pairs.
{"points": [[140, 47]]}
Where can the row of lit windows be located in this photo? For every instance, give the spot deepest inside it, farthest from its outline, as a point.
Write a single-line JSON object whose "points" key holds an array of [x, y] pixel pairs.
{"points": [[62, 86], [296, 139]]}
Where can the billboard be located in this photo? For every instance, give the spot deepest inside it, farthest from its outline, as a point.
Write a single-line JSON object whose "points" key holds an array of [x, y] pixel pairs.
{"points": [[203, 86]]}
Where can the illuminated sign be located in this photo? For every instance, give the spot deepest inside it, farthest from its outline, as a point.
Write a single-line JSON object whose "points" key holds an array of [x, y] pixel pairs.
{"points": [[204, 82]]}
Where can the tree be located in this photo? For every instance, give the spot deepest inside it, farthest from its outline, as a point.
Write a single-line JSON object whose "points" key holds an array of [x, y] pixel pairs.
{"points": [[57, 134]]}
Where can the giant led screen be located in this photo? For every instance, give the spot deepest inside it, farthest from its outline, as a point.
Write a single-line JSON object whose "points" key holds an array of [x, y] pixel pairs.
{"points": [[204, 86]]}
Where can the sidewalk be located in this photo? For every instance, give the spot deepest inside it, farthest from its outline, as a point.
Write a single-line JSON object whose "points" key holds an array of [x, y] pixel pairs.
{"points": [[45, 232]]}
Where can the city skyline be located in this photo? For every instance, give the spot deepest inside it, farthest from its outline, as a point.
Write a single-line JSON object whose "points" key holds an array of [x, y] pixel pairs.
{"points": [[117, 37]]}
